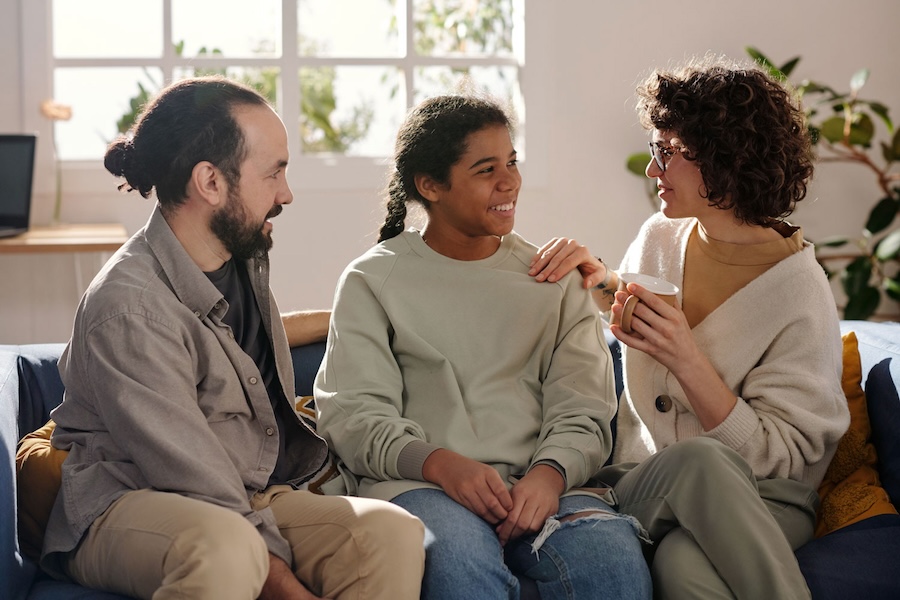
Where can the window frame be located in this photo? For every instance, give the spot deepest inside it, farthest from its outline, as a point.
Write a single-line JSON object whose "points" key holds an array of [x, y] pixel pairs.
{"points": [[315, 172]]}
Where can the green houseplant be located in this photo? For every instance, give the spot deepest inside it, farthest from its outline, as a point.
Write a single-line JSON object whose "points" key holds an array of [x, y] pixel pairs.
{"points": [[844, 126]]}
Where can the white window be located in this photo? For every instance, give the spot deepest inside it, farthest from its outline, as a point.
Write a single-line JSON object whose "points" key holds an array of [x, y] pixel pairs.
{"points": [[342, 73]]}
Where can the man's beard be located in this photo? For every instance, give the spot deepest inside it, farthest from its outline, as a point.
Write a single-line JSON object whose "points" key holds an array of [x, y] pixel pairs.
{"points": [[242, 239]]}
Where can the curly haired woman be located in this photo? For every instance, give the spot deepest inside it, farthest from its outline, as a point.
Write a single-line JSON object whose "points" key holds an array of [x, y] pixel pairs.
{"points": [[732, 407]]}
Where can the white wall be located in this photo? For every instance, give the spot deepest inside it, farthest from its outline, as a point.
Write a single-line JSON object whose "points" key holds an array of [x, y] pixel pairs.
{"points": [[617, 42], [597, 53]]}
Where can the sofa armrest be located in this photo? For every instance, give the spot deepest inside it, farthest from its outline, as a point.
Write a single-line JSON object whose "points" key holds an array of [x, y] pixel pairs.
{"points": [[30, 387]]}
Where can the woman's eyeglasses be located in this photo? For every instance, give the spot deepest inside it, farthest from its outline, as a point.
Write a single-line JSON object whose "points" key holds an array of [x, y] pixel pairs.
{"points": [[661, 154]]}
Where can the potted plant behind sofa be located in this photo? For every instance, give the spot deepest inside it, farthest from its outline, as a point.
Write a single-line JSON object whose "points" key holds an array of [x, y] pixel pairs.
{"points": [[843, 129]]}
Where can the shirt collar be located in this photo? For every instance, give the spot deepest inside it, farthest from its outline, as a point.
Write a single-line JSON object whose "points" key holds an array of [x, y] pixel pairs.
{"points": [[189, 283]]}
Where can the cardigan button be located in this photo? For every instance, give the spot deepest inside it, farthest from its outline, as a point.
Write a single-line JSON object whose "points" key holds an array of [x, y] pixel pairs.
{"points": [[663, 403]]}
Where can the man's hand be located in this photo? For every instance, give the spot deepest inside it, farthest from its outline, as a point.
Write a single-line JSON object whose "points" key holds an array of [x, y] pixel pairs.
{"points": [[475, 485], [535, 498], [281, 584]]}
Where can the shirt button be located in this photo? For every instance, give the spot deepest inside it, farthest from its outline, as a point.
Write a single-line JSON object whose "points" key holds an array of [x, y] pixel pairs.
{"points": [[263, 469], [270, 431], [663, 403], [253, 380], [197, 313], [218, 305]]}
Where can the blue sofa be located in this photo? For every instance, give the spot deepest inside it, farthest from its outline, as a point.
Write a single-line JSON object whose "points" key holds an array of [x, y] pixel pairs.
{"points": [[858, 561]]}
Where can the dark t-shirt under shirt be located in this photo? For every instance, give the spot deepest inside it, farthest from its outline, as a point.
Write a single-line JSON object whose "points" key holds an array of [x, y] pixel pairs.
{"points": [[245, 320]]}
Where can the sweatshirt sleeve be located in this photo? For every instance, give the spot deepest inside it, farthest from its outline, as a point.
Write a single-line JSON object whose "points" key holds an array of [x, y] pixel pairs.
{"points": [[359, 386], [578, 391]]}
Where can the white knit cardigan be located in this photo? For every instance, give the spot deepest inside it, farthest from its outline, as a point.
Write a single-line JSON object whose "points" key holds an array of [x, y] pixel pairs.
{"points": [[776, 344]]}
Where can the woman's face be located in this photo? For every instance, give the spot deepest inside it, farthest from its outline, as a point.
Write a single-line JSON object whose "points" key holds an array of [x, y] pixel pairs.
{"points": [[681, 189], [483, 188]]}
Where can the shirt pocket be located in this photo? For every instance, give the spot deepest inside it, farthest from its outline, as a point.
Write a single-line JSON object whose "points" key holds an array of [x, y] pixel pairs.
{"points": [[221, 397]]}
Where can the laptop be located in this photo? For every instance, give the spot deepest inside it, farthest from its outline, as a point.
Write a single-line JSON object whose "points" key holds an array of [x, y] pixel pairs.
{"points": [[16, 177]]}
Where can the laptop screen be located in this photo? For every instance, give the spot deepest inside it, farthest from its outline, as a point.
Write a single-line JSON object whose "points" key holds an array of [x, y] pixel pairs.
{"points": [[16, 176]]}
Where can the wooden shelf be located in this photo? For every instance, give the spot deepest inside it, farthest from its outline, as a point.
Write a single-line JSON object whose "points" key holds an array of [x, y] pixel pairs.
{"points": [[103, 237]]}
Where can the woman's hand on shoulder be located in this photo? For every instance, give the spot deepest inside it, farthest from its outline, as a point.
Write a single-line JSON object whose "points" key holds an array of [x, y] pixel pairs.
{"points": [[559, 256], [472, 484]]}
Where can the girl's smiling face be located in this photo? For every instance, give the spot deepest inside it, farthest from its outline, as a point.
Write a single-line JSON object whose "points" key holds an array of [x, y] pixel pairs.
{"points": [[477, 205]]}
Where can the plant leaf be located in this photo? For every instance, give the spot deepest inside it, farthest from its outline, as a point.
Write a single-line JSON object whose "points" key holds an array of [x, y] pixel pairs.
{"points": [[892, 287], [788, 67], [814, 134], [882, 111], [862, 130], [856, 276], [882, 214], [832, 129], [637, 163], [863, 304], [895, 143], [833, 242], [759, 57], [763, 61], [859, 80], [889, 246], [812, 87]]}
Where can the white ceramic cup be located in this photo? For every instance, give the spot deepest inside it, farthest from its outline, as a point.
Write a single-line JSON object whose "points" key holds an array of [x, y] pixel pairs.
{"points": [[664, 290]]}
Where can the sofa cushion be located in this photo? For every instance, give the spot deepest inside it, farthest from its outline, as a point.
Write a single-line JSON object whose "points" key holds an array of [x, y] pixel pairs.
{"points": [[884, 412], [857, 561], [879, 352], [38, 476], [40, 386], [851, 490], [16, 572]]}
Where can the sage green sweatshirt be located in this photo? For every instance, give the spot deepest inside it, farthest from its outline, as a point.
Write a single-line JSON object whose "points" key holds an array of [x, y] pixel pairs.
{"points": [[428, 352]]}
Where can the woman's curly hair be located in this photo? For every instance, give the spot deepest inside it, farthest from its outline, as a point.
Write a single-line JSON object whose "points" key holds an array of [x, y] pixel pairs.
{"points": [[746, 131]]}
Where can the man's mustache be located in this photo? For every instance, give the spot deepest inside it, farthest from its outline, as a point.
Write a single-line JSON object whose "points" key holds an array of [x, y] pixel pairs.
{"points": [[276, 210]]}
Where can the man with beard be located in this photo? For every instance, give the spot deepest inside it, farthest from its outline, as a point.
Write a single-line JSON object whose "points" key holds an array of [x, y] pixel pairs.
{"points": [[186, 467]]}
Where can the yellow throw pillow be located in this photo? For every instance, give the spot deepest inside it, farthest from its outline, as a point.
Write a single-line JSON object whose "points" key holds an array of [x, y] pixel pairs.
{"points": [[851, 490], [38, 476]]}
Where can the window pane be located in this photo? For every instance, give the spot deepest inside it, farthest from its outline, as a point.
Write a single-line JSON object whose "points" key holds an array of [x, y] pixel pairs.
{"points": [[264, 80], [350, 110], [100, 99], [106, 28], [324, 29], [232, 28], [500, 82], [463, 27]]}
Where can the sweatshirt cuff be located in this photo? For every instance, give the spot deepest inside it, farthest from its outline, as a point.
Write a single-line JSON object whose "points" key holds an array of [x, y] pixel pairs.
{"points": [[552, 463], [412, 457]]}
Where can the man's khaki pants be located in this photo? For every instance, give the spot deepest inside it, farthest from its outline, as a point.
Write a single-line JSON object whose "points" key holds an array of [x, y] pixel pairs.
{"points": [[160, 545]]}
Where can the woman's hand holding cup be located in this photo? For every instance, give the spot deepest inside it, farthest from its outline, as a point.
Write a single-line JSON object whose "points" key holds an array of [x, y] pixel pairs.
{"points": [[626, 302]]}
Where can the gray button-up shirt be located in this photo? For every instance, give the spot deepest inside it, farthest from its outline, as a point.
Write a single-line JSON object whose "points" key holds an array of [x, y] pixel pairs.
{"points": [[160, 396]]}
